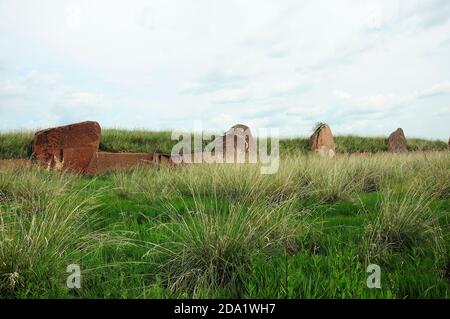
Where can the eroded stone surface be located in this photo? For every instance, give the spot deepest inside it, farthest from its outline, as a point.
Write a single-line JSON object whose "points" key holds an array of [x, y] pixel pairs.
{"points": [[162, 159], [69, 147], [78, 159], [75, 148], [237, 143], [322, 143], [105, 162], [397, 141]]}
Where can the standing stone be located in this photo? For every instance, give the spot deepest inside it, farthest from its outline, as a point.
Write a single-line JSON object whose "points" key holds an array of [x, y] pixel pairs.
{"points": [[397, 141], [239, 141], [321, 142], [72, 147]]}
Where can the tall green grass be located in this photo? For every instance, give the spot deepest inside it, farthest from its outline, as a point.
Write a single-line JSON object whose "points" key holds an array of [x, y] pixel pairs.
{"points": [[207, 230], [202, 236], [404, 221], [16, 144], [114, 140], [42, 230], [206, 244], [327, 180]]}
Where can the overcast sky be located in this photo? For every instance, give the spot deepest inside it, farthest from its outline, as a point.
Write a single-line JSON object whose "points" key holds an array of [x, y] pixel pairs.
{"points": [[364, 67]]}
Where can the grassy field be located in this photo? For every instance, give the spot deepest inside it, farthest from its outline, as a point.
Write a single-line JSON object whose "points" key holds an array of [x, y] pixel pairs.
{"points": [[18, 144], [309, 231]]}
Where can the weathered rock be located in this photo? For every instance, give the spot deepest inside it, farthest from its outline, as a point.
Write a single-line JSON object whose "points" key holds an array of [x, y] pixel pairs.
{"points": [[69, 147], [397, 141], [242, 131], [75, 148], [321, 142], [103, 162], [239, 141], [162, 159], [78, 159]]}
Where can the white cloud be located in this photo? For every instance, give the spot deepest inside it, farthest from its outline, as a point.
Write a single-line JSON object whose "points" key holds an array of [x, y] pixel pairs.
{"points": [[376, 102], [288, 63], [439, 88], [384, 102], [10, 89], [88, 99], [342, 94]]}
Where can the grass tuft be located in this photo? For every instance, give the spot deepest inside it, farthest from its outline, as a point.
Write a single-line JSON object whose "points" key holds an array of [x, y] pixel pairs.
{"points": [[404, 222], [42, 230], [208, 243]]}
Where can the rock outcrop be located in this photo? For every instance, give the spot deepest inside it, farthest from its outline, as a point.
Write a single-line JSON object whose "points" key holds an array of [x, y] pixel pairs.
{"points": [[397, 141], [321, 142]]}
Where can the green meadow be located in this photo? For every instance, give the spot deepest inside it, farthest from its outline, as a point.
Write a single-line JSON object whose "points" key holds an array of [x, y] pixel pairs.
{"points": [[227, 231], [17, 144]]}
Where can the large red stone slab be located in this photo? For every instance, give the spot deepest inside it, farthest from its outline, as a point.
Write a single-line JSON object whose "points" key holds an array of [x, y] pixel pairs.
{"points": [[67, 147]]}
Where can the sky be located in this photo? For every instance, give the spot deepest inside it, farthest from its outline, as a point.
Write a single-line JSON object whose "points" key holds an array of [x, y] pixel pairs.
{"points": [[363, 67]]}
